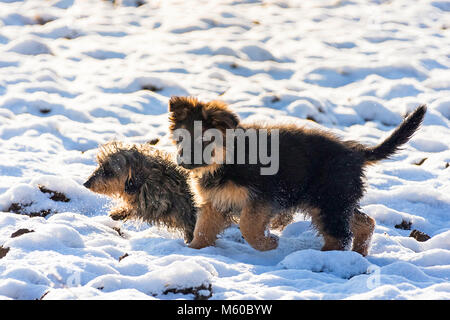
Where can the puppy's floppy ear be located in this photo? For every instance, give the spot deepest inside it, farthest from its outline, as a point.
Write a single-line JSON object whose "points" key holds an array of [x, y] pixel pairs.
{"points": [[217, 114], [136, 172], [134, 182]]}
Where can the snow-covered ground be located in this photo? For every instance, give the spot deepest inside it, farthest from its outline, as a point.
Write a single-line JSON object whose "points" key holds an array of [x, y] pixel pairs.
{"points": [[78, 73]]}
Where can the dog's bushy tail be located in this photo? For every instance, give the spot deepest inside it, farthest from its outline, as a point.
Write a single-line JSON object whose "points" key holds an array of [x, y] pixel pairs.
{"points": [[400, 136]]}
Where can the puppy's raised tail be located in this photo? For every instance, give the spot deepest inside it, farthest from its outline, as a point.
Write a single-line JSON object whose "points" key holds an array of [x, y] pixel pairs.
{"points": [[400, 136]]}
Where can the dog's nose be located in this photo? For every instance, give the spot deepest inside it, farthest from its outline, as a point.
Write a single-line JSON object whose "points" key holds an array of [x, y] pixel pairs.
{"points": [[87, 184]]}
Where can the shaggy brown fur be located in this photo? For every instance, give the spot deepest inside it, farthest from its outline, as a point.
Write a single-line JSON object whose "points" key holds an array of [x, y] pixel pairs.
{"points": [[318, 173], [149, 185]]}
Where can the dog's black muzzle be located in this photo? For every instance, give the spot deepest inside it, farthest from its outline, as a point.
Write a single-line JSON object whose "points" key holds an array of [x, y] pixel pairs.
{"points": [[90, 180]]}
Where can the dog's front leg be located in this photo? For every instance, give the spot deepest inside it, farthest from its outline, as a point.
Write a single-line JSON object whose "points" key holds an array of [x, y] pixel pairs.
{"points": [[210, 223], [254, 223]]}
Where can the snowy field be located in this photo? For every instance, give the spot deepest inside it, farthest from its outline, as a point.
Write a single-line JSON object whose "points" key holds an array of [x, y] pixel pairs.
{"points": [[77, 73]]}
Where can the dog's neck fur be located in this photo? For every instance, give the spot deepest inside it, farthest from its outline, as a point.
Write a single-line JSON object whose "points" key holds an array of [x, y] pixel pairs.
{"points": [[209, 188]]}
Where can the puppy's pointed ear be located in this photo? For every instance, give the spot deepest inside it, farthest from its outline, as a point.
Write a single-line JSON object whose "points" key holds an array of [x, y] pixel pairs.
{"points": [[179, 107], [179, 104], [217, 114]]}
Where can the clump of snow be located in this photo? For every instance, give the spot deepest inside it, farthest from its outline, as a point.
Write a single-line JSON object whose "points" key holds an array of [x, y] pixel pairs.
{"points": [[439, 241], [429, 145], [386, 216], [103, 54], [62, 4], [29, 47], [56, 30], [32, 199], [177, 275], [48, 237], [306, 110], [257, 53], [443, 107], [16, 19], [130, 3], [341, 264], [372, 110]]}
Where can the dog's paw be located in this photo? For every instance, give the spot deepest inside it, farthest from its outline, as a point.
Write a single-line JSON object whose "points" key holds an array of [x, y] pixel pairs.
{"points": [[199, 244], [267, 243], [270, 243], [119, 215]]}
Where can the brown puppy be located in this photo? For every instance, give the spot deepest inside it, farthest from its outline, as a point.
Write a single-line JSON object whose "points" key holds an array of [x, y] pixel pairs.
{"points": [[317, 173], [149, 185]]}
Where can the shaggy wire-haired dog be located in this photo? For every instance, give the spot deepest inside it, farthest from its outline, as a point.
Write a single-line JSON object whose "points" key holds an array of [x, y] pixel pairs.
{"points": [[151, 187], [318, 174]]}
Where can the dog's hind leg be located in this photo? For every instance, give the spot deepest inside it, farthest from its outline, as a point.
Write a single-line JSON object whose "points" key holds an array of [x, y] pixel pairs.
{"points": [[210, 223], [281, 220], [362, 227], [334, 227], [254, 223], [336, 195]]}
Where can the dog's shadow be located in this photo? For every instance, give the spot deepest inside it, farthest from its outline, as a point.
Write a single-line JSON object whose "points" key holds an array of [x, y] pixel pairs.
{"points": [[299, 235]]}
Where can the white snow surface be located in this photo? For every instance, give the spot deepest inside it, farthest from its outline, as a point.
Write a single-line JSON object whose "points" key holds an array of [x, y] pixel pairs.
{"points": [[72, 74]]}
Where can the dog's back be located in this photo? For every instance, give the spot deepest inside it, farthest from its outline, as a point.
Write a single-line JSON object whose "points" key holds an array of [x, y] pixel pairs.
{"points": [[162, 192], [308, 160], [312, 161]]}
